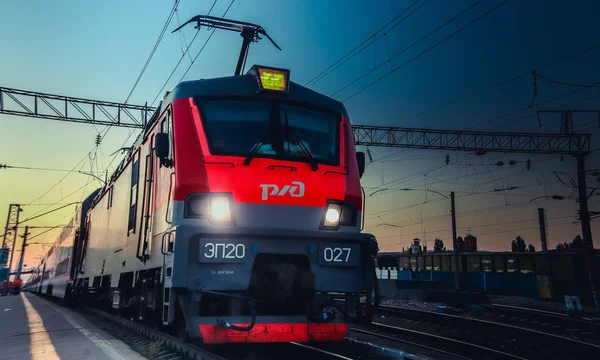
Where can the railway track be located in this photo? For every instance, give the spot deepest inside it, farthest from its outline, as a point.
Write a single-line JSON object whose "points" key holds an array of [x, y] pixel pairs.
{"points": [[155, 344], [582, 329], [441, 345], [461, 335]]}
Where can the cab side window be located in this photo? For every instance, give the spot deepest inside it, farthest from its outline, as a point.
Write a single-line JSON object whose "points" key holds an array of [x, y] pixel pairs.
{"points": [[166, 127], [135, 176]]}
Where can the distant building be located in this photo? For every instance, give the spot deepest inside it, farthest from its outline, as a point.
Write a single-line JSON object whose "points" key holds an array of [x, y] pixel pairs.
{"points": [[470, 243], [416, 246]]}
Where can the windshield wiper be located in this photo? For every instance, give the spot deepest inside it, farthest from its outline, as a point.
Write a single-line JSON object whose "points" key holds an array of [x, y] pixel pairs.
{"points": [[293, 135], [257, 147]]}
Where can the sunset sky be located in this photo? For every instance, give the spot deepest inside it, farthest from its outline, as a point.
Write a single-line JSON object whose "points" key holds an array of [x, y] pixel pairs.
{"points": [[97, 49]]}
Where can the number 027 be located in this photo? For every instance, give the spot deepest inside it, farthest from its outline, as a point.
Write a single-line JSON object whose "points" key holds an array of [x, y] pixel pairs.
{"points": [[336, 254]]}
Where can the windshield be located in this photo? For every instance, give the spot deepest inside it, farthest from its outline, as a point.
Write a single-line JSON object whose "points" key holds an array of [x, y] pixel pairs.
{"points": [[271, 130]]}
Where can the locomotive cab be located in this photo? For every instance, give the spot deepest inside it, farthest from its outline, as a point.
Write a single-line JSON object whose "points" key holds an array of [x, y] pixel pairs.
{"points": [[266, 208]]}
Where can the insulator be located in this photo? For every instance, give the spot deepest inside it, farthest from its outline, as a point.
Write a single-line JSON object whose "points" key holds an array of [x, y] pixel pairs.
{"points": [[512, 162], [500, 163], [369, 155], [528, 164], [98, 139], [447, 159]]}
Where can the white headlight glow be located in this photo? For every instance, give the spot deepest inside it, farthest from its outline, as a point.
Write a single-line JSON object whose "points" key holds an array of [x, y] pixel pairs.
{"points": [[332, 216], [219, 209]]}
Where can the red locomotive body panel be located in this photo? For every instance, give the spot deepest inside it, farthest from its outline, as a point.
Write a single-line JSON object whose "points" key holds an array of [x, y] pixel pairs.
{"points": [[200, 171]]}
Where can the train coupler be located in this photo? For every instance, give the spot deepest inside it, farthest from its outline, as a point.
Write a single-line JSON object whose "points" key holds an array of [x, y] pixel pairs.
{"points": [[252, 308]]}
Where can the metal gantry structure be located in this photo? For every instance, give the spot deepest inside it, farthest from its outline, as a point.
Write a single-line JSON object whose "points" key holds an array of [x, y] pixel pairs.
{"points": [[480, 142], [9, 240], [565, 142], [65, 108]]}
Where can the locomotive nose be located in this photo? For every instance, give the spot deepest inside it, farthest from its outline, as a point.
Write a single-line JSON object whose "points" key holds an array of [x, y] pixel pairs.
{"points": [[281, 278]]}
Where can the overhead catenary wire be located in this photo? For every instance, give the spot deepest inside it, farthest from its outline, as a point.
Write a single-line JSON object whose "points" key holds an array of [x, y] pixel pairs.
{"points": [[461, 215], [183, 55], [467, 227], [367, 42], [487, 122], [165, 26], [397, 209], [403, 151], [206, 42], [58, 201], [564, 83], [162, 33], [64, 177], [174, 69], [37, 168], [418, 223], [390, 58], [472, 192], [419, 54], [499, 84]]}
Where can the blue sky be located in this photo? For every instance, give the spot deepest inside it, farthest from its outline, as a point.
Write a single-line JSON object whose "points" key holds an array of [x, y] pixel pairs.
{"points": [[97, 49]]}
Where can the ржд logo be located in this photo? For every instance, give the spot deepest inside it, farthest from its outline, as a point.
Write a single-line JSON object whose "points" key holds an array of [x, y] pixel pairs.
{"points": [[294, 190]]}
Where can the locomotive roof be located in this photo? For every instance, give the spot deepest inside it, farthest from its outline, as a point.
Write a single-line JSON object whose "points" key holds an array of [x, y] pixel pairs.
{"points": [[246, 85]]}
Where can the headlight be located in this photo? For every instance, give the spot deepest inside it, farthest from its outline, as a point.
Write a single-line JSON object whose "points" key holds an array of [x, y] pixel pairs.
{"points": [[219, 209], [215, 207], [338, 213], [332, 215]]}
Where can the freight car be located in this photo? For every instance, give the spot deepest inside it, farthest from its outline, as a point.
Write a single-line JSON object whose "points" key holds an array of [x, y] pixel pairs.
{"points": [[235, 217], [545, 275]]}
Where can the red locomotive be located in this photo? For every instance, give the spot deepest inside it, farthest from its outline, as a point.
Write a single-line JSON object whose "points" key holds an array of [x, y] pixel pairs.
{"points": [[236, 216]]}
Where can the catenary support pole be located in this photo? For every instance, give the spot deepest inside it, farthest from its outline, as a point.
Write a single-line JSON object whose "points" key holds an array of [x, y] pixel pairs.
{"points": [[455, 245], [542, 221]]}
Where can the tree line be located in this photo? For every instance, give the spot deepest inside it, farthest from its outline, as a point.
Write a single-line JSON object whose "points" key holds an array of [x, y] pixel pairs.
{"points": [[517, 245]]}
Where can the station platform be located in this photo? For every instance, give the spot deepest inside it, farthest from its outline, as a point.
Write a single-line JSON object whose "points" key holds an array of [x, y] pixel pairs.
{"points": [[35, 328]]}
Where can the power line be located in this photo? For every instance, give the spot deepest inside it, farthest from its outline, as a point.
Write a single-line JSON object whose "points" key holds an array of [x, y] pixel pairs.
{"points": [[425, 51], [447, 217], [176, 66], [206, 42], [168, 21], [525, 109], [184, 53], [162, 33], [464, 214], [64, 177], [182, 36], [488, 233], [562, 82], [47, 231], [374, 38], [169, 78], [496, 85], [407, 48], [33, 168], [408, 178], [58, 201]]}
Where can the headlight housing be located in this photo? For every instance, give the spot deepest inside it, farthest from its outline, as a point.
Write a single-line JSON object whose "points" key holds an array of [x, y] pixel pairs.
{"points": [[338, 213], [215, 207]]}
